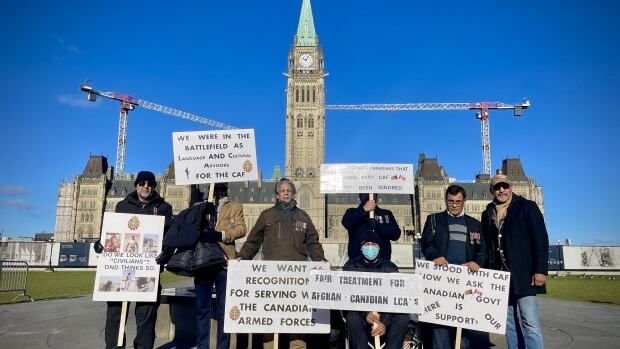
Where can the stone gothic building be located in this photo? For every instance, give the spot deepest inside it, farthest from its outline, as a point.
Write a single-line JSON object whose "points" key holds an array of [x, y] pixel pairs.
{"points": [[82, 201]]}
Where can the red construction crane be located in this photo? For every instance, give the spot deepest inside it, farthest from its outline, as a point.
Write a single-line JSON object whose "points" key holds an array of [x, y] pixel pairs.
{"points": [[482, 115], [128, 104]]}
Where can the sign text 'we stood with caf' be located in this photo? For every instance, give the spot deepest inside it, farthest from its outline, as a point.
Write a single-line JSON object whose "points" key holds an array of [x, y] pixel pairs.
{"points": [[126, 270], [367, 178], [272, 297], [381, 292], [214, 156], [457, 297]]}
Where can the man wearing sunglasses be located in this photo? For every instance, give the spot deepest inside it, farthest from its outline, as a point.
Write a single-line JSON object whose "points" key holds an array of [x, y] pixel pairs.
{"points": [[144, 200], [517, 242]]}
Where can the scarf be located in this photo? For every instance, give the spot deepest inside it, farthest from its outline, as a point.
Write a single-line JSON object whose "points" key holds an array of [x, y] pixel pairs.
{"points": [[500, 213]]}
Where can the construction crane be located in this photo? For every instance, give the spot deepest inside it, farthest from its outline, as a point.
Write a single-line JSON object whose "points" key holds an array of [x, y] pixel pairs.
{"points": [[482, 115], [128, 104]]}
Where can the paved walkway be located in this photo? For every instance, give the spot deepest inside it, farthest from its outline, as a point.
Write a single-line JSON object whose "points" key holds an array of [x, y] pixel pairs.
{"points": [[79, 323]]}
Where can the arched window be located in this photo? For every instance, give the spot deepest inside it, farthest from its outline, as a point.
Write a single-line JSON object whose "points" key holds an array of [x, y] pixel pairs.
{"points": [[308, 94], [296, 95], [314, 94], [310, 122], [303, 94], [300, 122]]}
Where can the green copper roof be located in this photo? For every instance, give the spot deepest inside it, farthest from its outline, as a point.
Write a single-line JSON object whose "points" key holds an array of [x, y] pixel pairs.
{"points": [[306, 36]]}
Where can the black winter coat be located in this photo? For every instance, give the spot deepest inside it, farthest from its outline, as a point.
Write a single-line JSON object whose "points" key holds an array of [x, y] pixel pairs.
{"points": [[435, 244], [356, 221], [188, 225], [524, 242], [157, 206]]}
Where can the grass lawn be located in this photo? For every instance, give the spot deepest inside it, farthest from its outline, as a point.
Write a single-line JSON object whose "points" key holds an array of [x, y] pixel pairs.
{"points": [[598, 289], [42, 285]]}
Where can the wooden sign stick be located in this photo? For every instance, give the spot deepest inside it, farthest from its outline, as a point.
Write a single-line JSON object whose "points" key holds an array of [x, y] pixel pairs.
{"points": [[457, 342], [121, 326], [276, 339]]}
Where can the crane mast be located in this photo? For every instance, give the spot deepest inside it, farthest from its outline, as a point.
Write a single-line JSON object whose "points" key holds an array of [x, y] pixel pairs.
{"points": [[482, 115], [129, 103]]}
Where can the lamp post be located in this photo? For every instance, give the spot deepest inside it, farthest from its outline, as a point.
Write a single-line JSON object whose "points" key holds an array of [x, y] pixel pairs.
{"points": [[49, 267]]}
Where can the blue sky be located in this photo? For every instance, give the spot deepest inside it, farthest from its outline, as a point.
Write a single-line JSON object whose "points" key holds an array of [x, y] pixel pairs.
{"points": [[224, 60]]}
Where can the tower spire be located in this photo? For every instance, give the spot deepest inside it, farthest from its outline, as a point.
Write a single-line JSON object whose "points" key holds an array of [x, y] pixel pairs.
{"points": [[306, 35]]}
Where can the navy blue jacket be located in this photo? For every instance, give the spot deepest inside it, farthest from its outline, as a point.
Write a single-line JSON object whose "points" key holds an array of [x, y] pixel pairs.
{"points": [[355, 220], [435, 244], [524, 241], [157, 206]]}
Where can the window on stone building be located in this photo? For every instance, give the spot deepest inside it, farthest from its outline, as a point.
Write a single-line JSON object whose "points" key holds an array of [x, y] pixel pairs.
{"points": [[300, 122], [310, 122], [314, 94], [296, 95]]}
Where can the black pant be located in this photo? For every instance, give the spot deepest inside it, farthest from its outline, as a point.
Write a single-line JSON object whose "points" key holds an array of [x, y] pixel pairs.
{"points": [[359, 330], [146, 314]]}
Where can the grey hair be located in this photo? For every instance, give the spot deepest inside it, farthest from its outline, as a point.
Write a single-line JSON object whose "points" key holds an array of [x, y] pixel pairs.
{"points": [[283, 181]]}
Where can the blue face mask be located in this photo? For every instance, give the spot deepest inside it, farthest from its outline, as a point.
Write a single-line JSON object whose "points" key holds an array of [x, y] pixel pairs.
{"points": [[370, 252]]}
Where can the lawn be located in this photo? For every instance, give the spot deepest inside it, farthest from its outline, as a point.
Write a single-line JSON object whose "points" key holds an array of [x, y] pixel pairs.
{"points": [[42, 285]]}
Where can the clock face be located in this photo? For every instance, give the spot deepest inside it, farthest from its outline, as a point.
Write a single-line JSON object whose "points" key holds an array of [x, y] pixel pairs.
{"points": [[305, 60]]}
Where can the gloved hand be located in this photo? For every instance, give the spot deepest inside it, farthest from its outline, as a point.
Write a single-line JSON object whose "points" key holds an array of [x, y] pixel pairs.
{"points": [[98, 247], [372, 223], [210, 235], [165, 255]]}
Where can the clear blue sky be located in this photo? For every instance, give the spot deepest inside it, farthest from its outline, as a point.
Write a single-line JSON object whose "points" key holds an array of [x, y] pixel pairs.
{"points": [[224, 60]]}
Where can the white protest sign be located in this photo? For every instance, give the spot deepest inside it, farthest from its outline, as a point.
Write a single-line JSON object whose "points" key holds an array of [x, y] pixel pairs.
{"points": [[126, 270], [381, 292], [214, 156], [272, 297], [367, 178], [455, 296]]}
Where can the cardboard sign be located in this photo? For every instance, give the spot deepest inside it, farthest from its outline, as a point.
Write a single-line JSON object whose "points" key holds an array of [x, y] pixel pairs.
{"points": [[126, 270], [367, 178], [381, 292], [455, 296], [214, 156], [272, 297]]}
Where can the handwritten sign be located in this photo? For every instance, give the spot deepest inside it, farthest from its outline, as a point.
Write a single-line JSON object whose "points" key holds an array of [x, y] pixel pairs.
{"points": [[455, 296], [381, 292], [272, 297], [126, 270], [367, 178], [214, 156]]}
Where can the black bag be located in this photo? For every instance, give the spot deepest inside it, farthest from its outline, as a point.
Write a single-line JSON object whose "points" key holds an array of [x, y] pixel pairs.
{"points": [[188, 262]]}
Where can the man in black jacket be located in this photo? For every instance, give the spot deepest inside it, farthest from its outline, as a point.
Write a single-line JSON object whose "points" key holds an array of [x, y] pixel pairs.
{"points": [[517, 241], [359, 324], [382, 228], [453, 237], [144, 200]]}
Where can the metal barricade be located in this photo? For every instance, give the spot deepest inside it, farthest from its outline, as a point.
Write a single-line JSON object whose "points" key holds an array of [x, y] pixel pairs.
{"points": [[14, 277]]}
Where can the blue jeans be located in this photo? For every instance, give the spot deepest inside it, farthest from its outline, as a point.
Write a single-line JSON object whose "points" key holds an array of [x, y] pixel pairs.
{"points": [[523, 328], [204, 290]]}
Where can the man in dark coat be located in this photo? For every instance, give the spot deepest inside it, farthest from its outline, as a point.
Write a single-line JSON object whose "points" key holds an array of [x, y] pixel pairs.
{"points": [[144, 200], [517, 241], [453, 237], [364, 325], [382, 228]]}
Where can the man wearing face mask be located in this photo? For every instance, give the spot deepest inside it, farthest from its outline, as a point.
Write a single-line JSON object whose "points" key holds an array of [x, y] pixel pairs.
{"points": [[381, 229], [360, 324], [286, 233]]}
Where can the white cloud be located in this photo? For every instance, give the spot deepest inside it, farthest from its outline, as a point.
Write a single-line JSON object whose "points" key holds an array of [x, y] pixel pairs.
{"points": [[18, 203], [69, 47], [76, 101], [13, 190]]}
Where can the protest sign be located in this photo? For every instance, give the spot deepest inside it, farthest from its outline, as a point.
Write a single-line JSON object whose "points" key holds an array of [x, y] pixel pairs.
{"points": [[214, 156], [367, 178], [455, 296], [381, 292], [272, 297], [126, 270]]}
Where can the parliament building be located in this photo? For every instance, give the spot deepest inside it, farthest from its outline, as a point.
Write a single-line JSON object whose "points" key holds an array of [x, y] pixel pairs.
{"points": [[83, 200]]}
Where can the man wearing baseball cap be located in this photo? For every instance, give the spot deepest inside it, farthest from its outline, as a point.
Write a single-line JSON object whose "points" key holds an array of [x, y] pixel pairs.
{"points": [[514, 230]]}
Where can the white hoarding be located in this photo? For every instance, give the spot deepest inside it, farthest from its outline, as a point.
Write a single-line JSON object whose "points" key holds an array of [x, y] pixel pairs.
{"points": [[126, 270], [367, 178], [591, 257], [272, 297], [455, 296], [381, 292], [214, 156]]}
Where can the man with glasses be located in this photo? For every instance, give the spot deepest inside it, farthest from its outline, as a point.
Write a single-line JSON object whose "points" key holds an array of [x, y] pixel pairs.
{"points": [[286, 233], [144, 200], [517, 241], [453, 237]]}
